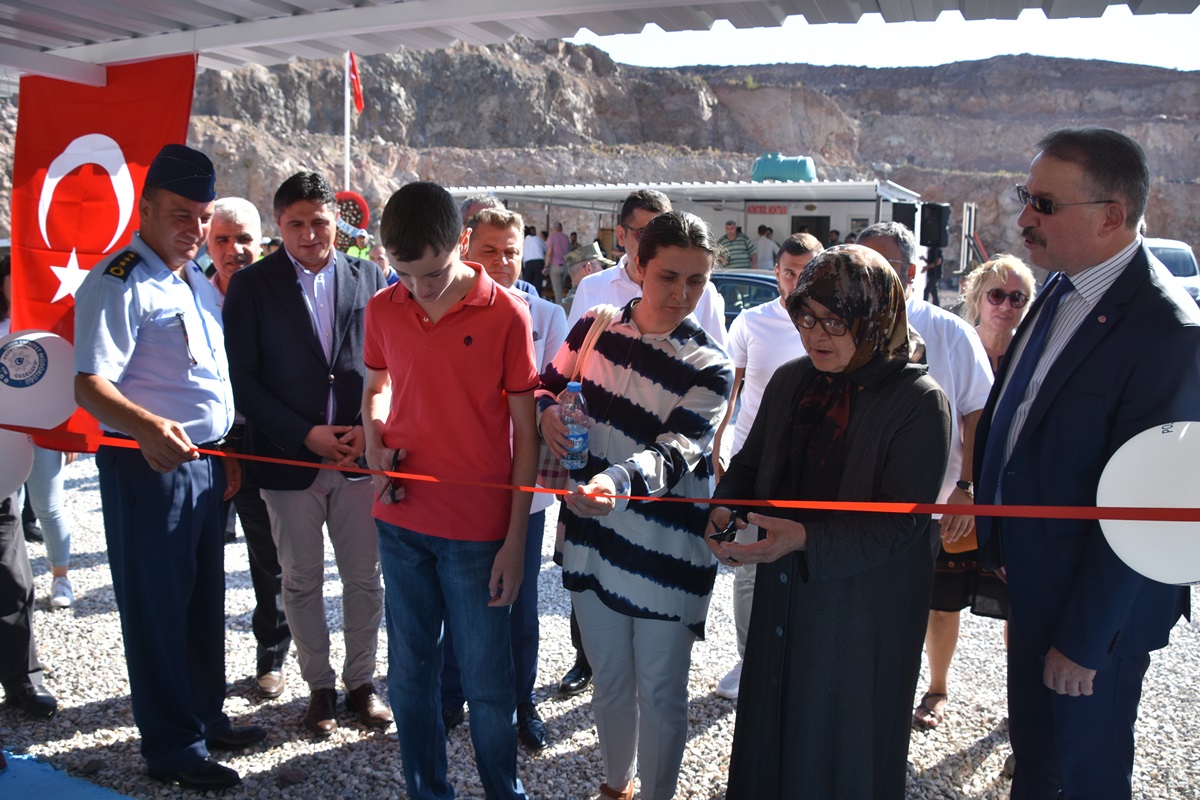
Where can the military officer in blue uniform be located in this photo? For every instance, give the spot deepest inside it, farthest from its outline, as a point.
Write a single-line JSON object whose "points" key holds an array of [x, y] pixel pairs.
{"points": [[150, 366]]}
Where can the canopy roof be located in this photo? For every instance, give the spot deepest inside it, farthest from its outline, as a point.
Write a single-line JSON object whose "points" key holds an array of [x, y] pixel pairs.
{"points": [[73, 39], [730, 194]]}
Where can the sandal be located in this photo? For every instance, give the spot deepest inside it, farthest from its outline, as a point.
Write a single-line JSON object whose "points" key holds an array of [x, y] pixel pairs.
{"points": [[928, 715]]}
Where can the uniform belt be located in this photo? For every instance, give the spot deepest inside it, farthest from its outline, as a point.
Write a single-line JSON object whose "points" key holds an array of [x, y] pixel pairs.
{"points": [[213, 445]]}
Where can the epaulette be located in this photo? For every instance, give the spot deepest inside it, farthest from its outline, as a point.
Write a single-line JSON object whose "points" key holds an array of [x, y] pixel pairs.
{"points": [[123, 264]]}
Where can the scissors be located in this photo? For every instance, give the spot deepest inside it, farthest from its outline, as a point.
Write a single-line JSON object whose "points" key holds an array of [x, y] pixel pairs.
{"points": [[727, 533]]}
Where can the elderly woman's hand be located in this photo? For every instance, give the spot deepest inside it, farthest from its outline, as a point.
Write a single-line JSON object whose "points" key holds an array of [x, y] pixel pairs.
{"points": [[601, 502], [781, 536], [718, 520]]}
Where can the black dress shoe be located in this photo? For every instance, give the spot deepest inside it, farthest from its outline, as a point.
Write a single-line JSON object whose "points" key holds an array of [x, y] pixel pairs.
{"points": [[206, 775], [35, 701], [531, 731], [577, 680], [238, 737], [453, 715]]}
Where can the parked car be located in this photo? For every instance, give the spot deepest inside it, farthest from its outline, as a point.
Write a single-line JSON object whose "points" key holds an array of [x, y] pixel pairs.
{"points": [[744, 288], [1178, 257]]}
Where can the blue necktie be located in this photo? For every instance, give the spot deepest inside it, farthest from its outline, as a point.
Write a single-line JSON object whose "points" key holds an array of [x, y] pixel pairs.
{"points": [[1014, 392]]}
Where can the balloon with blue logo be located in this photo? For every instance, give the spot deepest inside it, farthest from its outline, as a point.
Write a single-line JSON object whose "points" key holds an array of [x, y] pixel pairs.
{"points": [[37, 390]]}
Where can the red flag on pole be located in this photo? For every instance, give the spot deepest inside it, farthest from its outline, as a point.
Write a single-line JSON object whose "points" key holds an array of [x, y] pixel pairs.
{"points": [[80, 161], [356, 84]]}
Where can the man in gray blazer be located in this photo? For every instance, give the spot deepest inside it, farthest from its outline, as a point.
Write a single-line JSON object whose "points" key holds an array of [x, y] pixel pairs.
{"points": [[294, 334]]}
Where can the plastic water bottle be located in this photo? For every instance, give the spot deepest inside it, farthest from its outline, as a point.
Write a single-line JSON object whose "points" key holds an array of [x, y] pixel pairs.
{"points": [[575, 417]]}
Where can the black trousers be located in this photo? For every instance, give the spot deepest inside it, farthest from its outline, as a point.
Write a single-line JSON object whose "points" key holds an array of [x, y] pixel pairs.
{"points": [[19, 665], [268, 622]]}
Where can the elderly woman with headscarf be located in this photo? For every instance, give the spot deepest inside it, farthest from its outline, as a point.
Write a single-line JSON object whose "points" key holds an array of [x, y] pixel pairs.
{"points": [[842, 597]]}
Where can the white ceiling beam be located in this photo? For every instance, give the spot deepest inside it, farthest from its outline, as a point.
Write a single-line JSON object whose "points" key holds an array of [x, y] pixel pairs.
{"points": [[412, 15], [67, 69]]}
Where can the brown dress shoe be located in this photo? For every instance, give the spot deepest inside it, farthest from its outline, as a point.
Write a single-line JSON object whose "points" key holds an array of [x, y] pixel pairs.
{"points": [[270, 685], [618, 794], [321, 716], [370, 709]]}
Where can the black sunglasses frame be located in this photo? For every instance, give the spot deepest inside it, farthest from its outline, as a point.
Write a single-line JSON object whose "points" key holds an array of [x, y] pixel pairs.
{"points": [[1015, 299], [1047, 207]]}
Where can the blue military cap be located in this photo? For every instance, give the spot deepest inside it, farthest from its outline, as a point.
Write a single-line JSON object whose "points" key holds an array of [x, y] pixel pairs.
{"points": [[184, 171]]}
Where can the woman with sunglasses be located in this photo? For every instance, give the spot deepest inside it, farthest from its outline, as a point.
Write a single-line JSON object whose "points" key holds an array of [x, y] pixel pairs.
{"points": [[998, 295], [841, 597]]}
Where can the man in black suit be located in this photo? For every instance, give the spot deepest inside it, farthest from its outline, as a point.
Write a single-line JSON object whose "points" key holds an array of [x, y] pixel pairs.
{"points": [[20, 670], [1110, 349], [294, 333]]}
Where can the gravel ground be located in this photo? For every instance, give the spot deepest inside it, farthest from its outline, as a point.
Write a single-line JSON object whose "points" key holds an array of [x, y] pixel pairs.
{"points": [[93, 736]]}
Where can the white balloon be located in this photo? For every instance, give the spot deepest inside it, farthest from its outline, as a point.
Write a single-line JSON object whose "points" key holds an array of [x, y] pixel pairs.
{"points": [[16, 459], [1158, 468], [37, 379]]}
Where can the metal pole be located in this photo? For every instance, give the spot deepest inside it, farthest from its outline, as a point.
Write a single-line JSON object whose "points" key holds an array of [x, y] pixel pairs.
{"points": [[346, 96]]}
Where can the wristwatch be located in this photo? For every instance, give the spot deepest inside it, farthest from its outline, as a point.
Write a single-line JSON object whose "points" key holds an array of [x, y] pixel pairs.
{"points": [[967, 487]]}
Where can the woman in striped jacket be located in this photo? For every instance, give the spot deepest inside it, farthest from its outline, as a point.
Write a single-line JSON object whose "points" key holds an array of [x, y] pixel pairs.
{"points": [[639, 571]]}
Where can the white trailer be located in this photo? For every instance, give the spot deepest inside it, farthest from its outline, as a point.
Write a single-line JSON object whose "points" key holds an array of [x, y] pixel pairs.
{"points": [[786, 207]]}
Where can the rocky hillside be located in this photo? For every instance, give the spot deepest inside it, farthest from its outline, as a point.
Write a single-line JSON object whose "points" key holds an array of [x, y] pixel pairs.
{"points": [[551, 112]]}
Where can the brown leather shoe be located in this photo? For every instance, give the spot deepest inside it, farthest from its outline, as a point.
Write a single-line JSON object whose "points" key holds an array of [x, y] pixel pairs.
{"points": [[269, 685], [370, 709], [321, 716], [618, 794]]}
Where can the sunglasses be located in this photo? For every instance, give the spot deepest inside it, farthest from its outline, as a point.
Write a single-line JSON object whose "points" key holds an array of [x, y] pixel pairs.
{"points": [[1047, 207], [637, 232], [832, 325], [1015, 299]]}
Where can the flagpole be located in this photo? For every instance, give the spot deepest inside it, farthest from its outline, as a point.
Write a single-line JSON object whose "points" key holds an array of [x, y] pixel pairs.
{"points": [[346, 95]]}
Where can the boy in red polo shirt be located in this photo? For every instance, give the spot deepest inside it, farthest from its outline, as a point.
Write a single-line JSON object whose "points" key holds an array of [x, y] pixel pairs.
{"points": [[450, 367]]}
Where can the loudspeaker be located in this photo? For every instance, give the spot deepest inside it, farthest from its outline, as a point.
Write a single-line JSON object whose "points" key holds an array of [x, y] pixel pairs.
{"points": [[935, 225], [905, 214]]}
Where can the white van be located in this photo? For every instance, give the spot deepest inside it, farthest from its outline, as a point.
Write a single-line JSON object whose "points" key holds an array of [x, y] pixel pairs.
{"points": [[1178, 257]]}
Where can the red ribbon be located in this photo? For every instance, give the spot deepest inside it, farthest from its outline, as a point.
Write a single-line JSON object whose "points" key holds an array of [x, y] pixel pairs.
{"points": [[73, 441]]}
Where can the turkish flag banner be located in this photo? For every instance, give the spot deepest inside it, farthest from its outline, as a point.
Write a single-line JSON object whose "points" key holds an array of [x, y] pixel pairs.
{"points": [[356, 84], [80, 160]]}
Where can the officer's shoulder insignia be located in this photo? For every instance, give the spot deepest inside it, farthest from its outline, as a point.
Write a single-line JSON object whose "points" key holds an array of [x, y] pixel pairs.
{"points": [[123, 264]]}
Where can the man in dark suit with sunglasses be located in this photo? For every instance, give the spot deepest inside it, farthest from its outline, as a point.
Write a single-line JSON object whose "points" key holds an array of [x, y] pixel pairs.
{"points": [[1109, 349]]}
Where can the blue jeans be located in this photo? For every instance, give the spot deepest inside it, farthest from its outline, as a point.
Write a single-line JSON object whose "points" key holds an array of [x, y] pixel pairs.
{"points": [[428, 580], [524, 627], [45, 487]]}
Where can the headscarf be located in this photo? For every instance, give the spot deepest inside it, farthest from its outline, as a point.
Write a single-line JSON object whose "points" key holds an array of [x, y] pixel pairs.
{"points": [[861, 288], [858, 285]]}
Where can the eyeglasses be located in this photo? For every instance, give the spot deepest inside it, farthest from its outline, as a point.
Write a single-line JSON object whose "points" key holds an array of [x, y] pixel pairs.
{"points": [[1047, 207], [637, 232], [1015, 299], [832, 325]]}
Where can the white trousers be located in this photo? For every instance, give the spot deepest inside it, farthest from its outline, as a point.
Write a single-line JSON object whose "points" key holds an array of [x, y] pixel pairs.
{"points": [[640, 694]]}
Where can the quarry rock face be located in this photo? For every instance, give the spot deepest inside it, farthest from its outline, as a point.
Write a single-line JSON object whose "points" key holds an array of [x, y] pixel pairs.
{"points": [[532, 112]]}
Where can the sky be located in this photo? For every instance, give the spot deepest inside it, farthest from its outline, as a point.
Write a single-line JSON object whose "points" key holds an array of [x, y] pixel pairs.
{"points": [[1161, 40]]}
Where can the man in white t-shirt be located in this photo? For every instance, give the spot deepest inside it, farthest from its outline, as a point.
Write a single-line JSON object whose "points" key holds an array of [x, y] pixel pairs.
{"points": [[958, 362], [765, 250], [617, 287], [534, 254], [761, 339]]}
